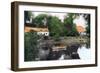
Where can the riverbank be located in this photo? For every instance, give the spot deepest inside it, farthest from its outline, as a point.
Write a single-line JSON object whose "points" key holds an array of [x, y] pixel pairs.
{"points": [[73, 40]]}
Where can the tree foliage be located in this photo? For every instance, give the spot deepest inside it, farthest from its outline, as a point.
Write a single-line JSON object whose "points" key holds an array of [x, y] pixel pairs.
{"points": [[55, 26], [31, 49], [87, 18], [70, 27], [39, 20]]}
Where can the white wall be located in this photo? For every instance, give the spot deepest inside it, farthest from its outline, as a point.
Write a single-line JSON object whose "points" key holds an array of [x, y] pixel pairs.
{"points": [[5, 28]]}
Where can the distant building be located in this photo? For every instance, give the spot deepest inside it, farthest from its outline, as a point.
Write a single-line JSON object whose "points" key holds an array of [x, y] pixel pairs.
{"points": [[81, 30], [40, 31]]}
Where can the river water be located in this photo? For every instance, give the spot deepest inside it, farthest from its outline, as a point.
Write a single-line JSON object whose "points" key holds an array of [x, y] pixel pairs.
{"points": [[80, 52], [76, 51]]}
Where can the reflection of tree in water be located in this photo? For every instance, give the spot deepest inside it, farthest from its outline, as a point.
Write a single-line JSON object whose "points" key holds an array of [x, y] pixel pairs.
{"points": [[69, 53], [87, 45], [46, 51], [54, 55]]}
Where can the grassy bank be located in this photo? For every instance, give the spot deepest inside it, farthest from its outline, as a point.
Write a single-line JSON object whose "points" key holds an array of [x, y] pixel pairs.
{"points": [[74, 40]]}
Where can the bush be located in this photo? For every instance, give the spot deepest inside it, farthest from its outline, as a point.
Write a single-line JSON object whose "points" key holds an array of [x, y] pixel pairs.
{"points": [[30, 44]]}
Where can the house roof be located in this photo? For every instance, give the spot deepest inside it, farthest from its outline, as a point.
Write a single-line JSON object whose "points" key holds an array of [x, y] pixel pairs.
{"points": [[35, 29], [80, 29]]}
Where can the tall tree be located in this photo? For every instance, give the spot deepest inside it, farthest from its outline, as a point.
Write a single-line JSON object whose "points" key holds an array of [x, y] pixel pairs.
{"points": [[55, 26]]}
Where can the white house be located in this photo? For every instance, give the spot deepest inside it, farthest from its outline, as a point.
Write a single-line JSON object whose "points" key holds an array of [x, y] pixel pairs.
{"points": [[43, 33]]}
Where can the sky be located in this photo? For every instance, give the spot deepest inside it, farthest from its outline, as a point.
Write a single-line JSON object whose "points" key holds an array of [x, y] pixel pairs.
{"points": [[79, 21]]}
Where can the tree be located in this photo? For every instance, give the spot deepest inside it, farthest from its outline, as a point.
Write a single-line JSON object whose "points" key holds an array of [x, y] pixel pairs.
{"points": [[40, 20], [70, 27], [87, 18], [55, 26], [31, 49]]}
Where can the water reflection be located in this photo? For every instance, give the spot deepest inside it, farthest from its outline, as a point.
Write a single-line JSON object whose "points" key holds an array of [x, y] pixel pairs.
{"points": [[74, 51]]}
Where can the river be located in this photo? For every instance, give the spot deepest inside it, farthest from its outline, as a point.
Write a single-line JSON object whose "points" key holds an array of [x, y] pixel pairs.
{"points": [[76, 51]]}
